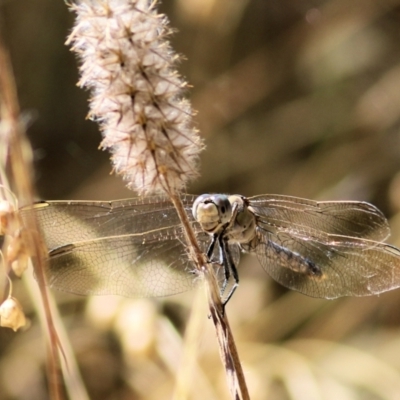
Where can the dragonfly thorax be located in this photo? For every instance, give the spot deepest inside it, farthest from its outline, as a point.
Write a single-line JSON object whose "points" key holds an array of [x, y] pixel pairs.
{"points": [[212, 212], [242, 228]]}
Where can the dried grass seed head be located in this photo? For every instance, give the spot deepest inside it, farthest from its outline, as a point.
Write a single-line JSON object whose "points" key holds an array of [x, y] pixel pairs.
{"points": [[137, 95]]}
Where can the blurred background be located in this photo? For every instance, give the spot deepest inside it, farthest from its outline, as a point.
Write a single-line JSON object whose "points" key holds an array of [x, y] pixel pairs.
{"points": [[293, 97]]}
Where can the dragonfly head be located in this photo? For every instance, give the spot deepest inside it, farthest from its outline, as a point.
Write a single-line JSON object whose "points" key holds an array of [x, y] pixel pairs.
{"points": [[212, 211]]}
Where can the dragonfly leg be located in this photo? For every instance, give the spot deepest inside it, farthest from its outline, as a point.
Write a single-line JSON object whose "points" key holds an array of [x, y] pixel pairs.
{"points": [[229, 268], [225, 257], [224, 262], [211, 247]]}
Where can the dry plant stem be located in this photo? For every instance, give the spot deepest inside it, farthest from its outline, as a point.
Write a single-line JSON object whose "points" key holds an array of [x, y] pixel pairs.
{"points": [[227, 346], [138, 98], [21, 167], [228, 352]]}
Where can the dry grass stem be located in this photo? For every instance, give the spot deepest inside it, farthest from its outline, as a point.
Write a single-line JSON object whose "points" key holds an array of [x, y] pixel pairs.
{"points": [[227, 347], [129, 66], [228, 352], [20, 165]]}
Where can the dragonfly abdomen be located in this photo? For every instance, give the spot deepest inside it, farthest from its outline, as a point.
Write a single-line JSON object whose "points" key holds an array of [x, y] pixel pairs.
{"points": [[292, 260]]}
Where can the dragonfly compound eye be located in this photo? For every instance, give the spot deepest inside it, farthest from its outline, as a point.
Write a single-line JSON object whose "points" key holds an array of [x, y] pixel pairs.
{"points": [[212, 211]]}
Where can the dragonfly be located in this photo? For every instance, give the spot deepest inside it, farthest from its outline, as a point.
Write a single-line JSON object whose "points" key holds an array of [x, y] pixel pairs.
{"points": [[136, 247]]}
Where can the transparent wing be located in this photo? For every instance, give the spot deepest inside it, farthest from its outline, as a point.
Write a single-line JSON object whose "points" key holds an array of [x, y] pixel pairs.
{"points": [[338, 266], [132, 247], [318, 219], [64, 222], [143, 265]]}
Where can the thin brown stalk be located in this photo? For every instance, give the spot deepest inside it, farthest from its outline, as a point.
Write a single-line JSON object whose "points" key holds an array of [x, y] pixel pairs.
{"points": [[227, 347], [20, 161], [137, 96]]}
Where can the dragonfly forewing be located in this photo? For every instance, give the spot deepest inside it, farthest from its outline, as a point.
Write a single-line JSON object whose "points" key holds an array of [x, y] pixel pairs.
{"points": [[65, 222], [316, 219]]}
